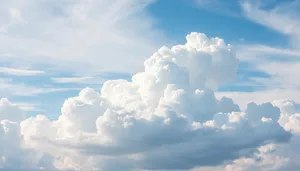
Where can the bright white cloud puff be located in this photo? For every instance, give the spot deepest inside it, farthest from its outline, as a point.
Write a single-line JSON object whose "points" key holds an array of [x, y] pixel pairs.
{"points": [[167, 117]]}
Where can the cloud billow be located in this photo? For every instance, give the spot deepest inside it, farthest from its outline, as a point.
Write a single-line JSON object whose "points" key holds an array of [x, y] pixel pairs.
{"points": [[166, 118]]}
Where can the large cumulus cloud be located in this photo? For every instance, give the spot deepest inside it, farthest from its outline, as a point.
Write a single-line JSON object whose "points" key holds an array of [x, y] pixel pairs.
{"points": [[166, 117]]}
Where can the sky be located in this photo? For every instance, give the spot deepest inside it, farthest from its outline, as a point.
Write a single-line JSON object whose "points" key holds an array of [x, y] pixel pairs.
{"points": [[70, 69]]}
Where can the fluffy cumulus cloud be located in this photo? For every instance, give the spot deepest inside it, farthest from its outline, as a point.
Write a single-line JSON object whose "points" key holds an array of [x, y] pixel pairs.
{"points": [[276, 157], [165, 118], [13, 152]]}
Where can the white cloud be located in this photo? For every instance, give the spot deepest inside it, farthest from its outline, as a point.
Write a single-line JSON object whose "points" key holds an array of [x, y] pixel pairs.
{"points": [[278, 157], [78, 36], [71, 79], [259, 53], [37, 91], [14, 156], [20, 72], [8, 89], [27, 106], [264, 159], [282, 18], [243, 98], [10, 111], [281, 64], [272, 157], [78, 80], [166, 118]]}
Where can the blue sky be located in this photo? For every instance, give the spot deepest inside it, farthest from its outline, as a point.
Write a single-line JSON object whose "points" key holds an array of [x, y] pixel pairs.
{"points": [[41, 76]]}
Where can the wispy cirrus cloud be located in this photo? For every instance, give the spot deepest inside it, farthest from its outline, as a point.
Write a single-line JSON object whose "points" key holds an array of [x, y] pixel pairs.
{"points": [[27, 106], [71, 79], [282, 17], [259, 48], [10, 88], [86, 80], [280, 62], [75, 36], [20, 72]]}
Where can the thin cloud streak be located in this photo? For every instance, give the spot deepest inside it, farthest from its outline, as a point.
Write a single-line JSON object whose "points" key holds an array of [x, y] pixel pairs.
{"points": [[20, 72]]}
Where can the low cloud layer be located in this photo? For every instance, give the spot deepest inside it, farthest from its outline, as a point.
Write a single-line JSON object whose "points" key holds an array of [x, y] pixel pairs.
{"points": [[166, 118]]}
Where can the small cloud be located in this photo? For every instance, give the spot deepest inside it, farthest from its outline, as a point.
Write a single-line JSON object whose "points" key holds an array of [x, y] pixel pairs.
{"points": [[274, 50], [71, 79], [27, 106], [85, 80], [37, 91], [20, 72], [8, 89]]}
